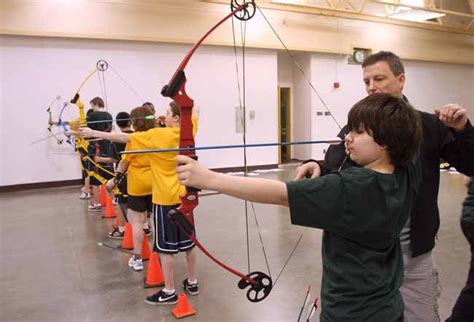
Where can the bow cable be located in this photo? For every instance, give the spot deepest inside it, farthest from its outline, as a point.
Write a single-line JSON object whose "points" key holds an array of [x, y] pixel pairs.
{"points": [[243, 120]]}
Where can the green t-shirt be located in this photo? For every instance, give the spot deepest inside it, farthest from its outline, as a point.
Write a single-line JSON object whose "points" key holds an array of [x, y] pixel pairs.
{"points": [[468, 205], [362, 213]]}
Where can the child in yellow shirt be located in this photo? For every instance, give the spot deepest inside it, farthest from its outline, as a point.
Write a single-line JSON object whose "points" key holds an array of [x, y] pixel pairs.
{"points": [[139, 179], [169, 239]]}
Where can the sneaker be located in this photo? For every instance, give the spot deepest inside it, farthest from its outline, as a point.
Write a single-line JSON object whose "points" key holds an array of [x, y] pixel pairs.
{"points": [[161, 298], [85, 195], [135, 263], [192, 289], [116, 234], [147, 231], [94, 208]]}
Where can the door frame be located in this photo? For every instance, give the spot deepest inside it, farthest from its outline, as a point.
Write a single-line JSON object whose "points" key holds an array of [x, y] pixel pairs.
{"points": [[288, 122]]}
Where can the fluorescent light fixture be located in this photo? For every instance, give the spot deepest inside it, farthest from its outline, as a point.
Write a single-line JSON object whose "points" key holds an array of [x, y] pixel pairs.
{"points": [[294, 2], [415, 15], [408, 10], [415, 3]]}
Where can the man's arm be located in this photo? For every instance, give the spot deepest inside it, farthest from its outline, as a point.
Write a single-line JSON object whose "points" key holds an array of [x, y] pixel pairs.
{"points": [[453, 116], [308, 169], [333, 160], [192, 174], [457, 142]]}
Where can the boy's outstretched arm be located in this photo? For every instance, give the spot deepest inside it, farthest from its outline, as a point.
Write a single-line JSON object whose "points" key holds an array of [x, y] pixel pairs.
{"points": [[192, 174], [90, 133]]}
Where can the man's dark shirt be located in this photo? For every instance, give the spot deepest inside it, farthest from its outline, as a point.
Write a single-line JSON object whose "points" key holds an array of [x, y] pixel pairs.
{"points": [[439, 142]]}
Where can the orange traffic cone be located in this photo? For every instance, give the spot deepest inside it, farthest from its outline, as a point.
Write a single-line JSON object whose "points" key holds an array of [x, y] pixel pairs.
{"points": [[145, 249], [109, 210], [154, 276], [127, 242], [183, 308], [103, 195]]}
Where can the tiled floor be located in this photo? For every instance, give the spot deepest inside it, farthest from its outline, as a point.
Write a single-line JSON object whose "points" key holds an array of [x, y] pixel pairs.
{"points": [[51, 268]]}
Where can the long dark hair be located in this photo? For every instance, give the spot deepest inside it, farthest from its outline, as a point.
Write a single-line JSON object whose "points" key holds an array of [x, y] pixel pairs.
{"points": [[392, 122]]}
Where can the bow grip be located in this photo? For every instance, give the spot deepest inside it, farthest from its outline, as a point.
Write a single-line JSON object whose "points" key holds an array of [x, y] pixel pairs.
{"points": [[179, 218], [191, 190]]}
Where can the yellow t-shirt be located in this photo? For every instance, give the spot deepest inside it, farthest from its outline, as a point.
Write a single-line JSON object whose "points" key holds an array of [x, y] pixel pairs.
{"points": [[165, 184], [139, 175]]}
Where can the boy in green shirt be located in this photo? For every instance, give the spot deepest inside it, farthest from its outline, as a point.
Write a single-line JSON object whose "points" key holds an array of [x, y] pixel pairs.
{"points": [[361, 210]]}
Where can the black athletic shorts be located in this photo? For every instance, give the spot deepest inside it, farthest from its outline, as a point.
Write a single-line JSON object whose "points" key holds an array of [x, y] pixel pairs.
{"points": [[169, 238], [139, 203]]}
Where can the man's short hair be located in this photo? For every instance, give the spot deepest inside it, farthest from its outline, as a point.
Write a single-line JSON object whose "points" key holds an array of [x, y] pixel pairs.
{"points": [[123, 119], [393, 61], [392, 122], [97, 101]]}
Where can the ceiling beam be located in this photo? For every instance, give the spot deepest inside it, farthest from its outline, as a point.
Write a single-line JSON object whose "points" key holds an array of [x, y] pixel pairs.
{"points": [[355, 15]]}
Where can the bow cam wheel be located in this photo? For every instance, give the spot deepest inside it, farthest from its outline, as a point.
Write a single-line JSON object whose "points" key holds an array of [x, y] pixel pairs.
{"points": [[102, 65], [258, 291], [248, 11]]}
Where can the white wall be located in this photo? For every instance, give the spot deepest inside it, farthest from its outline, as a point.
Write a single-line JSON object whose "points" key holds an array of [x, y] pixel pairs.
{"points": [[35, 70], [429, 85], [325, 71]]}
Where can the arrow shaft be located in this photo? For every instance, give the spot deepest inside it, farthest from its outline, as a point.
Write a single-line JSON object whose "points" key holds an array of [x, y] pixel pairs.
{"points": [[232, 146]]}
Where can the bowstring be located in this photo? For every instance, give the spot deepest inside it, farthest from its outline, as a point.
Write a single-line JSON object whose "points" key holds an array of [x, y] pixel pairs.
{"points": [[315, 91], [305, 76], [103, 87], [295, 62], [244, 116], [127, 84], [243, 120]]}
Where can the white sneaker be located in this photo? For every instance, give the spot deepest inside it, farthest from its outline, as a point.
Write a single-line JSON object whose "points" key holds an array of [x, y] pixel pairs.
{"points": [[85, 195], [96, 207], [135, 264]]}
